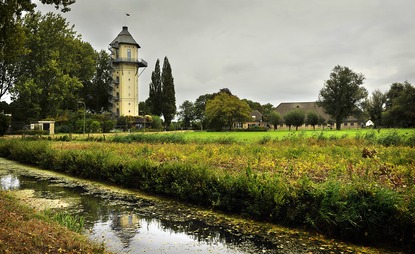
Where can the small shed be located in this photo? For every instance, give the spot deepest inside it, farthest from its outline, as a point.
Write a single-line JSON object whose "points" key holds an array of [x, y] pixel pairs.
{"points": [[48, 126], [369, 123]]}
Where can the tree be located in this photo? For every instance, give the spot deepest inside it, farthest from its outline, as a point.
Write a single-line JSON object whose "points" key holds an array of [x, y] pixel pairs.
{"points": [[295, 118], [155, 99], [4, 124], [144, 107], [97, 93], [267, 109], [375, 106], [200, 108], [54, 71], [168, 93], [322, 121], [275, 119], [225, 109], [312, 119], [400, 105], [187, 113], [342, 94], [12, 37]]}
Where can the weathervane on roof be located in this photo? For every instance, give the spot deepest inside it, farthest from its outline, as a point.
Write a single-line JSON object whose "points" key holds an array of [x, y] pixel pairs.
{"points": [[125, 18]]}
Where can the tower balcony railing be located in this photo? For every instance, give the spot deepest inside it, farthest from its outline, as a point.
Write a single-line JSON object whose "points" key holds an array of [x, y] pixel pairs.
{"points": [[139, 61]]}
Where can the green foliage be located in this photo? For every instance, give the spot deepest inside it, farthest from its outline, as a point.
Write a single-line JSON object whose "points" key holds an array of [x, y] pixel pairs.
{"points": [[155, 91], [4, 124], [95, 127], [96, 93], [322, 182], [186, 113], [375, 107], [151, 138], [342, 94], [72, 222], [275, 119], [312, 119], [295, 118], [400, 106], [226, 109], [168, 93], [13, 38], [56, 67]]}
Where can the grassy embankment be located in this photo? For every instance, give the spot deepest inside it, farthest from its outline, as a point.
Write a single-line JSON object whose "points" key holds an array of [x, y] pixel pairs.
{"points": [[356, 185], [22, 230]]}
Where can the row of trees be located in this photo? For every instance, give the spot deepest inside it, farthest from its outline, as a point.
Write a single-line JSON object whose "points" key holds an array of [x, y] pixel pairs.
{"points": [[343, 95], [162, 95]]}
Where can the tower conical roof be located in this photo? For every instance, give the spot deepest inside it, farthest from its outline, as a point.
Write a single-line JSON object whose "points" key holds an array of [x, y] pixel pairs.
{"points": [[124, 37]]}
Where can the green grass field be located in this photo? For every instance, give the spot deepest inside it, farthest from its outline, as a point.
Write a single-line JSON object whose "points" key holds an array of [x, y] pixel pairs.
{"points": [[285, 134]]}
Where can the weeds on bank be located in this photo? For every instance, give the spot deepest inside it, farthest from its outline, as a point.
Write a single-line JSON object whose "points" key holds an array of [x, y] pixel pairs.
{"points": [[24, 231], [72, 222]]}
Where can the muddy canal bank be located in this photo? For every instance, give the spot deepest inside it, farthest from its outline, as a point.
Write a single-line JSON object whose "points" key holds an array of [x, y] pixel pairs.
{"points": [[130, 222]]}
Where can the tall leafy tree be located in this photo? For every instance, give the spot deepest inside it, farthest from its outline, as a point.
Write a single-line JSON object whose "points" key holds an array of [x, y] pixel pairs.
{"points": [[168, 93], [375, 106], [96, 93], [54, 71], [200, 107], [312, 119], [187, 113], [225, 109], [155, 92], [144, 107], [400, 106], [12, 37], [275, 118], [267, 110], [342, 94], [295, 118]]}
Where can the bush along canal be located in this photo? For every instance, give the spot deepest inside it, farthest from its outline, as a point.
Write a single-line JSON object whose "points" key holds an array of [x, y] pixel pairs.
{"points": [[130, 222]]}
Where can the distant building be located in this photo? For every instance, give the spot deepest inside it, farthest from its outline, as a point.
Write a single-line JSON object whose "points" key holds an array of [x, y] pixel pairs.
{"points": [[125, 62], [256, 122], [307, 107], [48, 126]]}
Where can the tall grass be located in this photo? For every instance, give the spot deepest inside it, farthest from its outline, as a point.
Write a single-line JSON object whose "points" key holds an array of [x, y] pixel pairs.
{"points": [[72, 222]]}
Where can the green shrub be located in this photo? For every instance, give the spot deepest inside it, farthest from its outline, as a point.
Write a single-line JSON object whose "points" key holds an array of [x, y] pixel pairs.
{"points": [[390, 139]]}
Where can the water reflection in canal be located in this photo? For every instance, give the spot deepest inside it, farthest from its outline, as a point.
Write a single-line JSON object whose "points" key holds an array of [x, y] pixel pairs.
{"points": [[127, 224]]}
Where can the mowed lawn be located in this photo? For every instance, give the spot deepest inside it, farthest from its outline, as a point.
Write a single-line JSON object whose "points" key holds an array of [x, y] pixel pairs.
{"points": [[286, 134]]}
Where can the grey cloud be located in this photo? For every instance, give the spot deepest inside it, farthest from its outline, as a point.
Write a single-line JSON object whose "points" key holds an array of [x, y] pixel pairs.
{"points": [[266, 51]]}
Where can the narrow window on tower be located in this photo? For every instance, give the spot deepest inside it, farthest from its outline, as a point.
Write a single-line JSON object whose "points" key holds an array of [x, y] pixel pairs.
{"points": [[129, 54]]}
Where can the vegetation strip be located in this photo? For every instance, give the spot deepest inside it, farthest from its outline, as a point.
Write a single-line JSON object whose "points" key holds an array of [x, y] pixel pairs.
{"points": [[24, 231], [349, 188]]}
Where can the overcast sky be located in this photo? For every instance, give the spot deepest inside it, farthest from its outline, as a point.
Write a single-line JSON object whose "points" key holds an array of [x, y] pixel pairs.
{"points": [[269, 51]]}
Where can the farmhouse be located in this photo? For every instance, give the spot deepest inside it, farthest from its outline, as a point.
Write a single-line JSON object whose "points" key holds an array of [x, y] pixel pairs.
{"points": [[257, 121], [285, 107]]}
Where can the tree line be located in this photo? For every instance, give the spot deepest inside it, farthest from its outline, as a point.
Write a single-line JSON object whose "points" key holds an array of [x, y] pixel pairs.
{"points": [[342, 96]]}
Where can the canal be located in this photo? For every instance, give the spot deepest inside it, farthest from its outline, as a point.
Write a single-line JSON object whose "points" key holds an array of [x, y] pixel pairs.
{"points": [[131, 222]]}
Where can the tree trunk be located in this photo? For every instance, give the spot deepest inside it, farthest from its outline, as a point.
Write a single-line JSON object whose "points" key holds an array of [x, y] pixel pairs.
{"points": [[338, 124]]}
